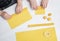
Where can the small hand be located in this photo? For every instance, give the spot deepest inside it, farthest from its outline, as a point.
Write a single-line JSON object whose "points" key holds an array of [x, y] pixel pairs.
{"points": [[5, 15], [18, 9], [33, 4], [19, 6], [44, 3]]}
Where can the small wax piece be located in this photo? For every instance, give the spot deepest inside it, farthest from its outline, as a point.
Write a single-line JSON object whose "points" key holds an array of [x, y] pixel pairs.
{"points": [[49, 19], [49, 14], [44, 17]]}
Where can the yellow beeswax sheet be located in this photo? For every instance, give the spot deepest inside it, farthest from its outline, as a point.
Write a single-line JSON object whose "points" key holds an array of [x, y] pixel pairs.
{"points": [[46, 34], [40, 10], [18, 19]]}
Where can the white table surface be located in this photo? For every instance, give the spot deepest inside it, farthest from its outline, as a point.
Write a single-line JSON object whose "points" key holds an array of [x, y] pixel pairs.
{"points": [[8, 34]]}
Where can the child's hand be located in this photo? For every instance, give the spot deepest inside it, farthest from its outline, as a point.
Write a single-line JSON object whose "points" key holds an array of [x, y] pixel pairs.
{"points": [[33, 4], [18, 9], [44, 3], [19, 6], [5, 15]]}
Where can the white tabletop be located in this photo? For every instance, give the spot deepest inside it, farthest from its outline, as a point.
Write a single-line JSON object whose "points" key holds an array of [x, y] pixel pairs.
{"points": [[8, 34]]}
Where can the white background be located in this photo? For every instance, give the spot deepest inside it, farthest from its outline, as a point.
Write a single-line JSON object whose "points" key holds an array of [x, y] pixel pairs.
{"points": [[8, 34]]}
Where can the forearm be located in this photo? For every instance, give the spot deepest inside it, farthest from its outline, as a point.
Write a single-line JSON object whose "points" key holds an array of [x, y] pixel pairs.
{"points": [[19, 2], [44, 0]]}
